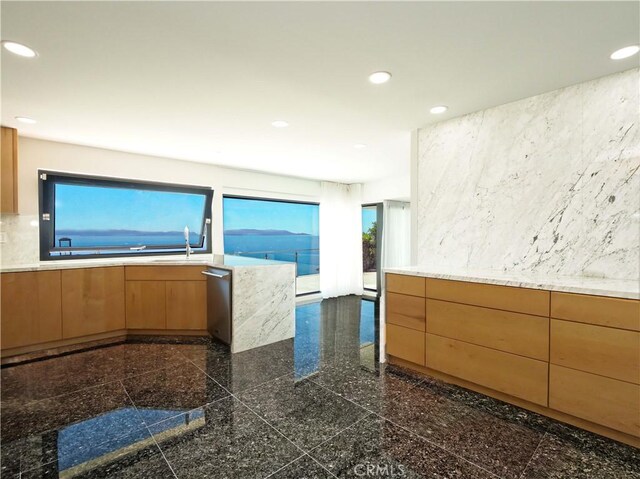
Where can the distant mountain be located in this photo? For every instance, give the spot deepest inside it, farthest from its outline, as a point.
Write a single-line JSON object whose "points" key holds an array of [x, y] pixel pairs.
{"points": [[244, 232], [95, 232]]}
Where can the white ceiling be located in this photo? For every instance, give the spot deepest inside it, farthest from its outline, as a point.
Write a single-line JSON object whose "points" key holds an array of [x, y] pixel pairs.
{"points": [[203, 81]]}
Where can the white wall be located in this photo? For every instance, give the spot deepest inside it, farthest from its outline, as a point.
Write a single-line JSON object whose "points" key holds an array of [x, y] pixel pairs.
{"points": [[392, 188], [547, 185], [37, 154]]}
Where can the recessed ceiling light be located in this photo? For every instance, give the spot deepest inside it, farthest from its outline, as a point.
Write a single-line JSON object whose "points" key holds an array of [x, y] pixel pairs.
{"points": [[380, 77], [24, 119], [625, 52], [19, 49], [359, 146], [436, 110], [280, 124]]}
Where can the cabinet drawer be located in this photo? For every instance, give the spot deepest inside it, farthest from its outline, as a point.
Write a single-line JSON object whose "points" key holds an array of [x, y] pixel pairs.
{"points": [[405, 343], [514, 375], [407, 311], [605, 401], [403, 284], [610, 352], [519, 300], [165, 273], [613, 312], [517, 333]]}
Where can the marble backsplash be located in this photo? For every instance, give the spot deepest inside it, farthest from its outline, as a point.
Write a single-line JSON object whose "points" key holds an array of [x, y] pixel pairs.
{"points": [[22, 239], [548, 185]]}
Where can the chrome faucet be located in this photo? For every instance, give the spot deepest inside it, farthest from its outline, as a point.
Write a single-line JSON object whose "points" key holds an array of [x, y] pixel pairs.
{"points": [[186, 240]]}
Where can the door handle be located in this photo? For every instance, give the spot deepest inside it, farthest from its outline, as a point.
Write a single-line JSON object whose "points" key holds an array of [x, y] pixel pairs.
{"points": [[221, 276]]}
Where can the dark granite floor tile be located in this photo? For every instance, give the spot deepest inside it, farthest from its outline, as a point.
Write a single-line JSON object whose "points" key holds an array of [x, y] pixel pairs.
{"points": [[494, 444], [248, 369], [558, 458], [374, 447], [223, 440], [306, 413], [73, 372], [164, 393], [303, 468], [132, 456], [42, 430], [9, 458], [370, 389]]}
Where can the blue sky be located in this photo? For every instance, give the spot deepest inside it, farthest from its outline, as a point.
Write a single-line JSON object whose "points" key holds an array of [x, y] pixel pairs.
{"points": [[91, 207], [368, 218], [270, 215]]}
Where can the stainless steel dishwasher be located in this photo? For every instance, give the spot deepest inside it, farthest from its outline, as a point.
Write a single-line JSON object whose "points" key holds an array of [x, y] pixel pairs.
{"points": [[219, 303]]}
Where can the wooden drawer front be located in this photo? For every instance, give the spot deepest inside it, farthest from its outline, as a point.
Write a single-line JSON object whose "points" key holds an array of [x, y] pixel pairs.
{"points": [[146, 305], [405, 343], [407, 311], [186, 305], [613, 312], [30, 311], [166, 273], [514, 375], [605, 401], [403, 284], [519, 300], [517, 333], [610, 352]]}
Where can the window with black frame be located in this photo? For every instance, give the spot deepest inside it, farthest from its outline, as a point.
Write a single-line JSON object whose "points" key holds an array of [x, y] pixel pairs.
{"points": [[84, 217]]}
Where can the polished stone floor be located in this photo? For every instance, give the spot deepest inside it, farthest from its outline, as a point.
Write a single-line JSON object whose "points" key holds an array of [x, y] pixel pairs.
{"points": [[316, 407]]}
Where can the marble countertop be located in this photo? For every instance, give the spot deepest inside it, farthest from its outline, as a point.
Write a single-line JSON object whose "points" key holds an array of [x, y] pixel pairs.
{"points": [[616, 288], [226, 261]]}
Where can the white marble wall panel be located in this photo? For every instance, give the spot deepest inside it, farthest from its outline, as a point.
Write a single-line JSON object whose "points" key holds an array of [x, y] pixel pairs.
{"points": [[22, 239], [263, 299], [548, 185]]}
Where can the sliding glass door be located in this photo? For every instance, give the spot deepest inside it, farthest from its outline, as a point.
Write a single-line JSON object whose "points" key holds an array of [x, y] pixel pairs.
{"points": [[277, 230]]}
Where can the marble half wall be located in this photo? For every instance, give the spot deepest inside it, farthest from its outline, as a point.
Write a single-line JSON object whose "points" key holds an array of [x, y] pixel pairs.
{"points": [[263, 305], [548, 185]]}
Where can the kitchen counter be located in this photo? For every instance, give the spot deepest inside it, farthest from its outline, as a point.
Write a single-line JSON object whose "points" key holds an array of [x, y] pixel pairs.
{"points": [[615, 288], [224, 261]]}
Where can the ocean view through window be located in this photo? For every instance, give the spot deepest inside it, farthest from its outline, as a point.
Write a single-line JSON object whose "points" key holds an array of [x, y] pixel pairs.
{"points": [[278, 230], [92, 216]]}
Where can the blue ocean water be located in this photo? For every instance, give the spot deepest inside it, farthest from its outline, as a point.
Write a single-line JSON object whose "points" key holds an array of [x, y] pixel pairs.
{"points": [[301, 248]]}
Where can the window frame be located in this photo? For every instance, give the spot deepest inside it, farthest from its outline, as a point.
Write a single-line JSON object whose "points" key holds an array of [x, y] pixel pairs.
{"points": [[47, 181]]}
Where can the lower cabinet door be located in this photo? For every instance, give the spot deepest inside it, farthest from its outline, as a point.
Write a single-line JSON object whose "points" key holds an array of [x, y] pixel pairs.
{"points": [[405, 343], [605, 401], [186, 305], [30, 312], [146, 305], [508, 373], [92, 301]]}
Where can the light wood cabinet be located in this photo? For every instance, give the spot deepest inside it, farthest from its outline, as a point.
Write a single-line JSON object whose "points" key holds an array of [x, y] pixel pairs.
{"points": [[508, 298], [9, 170], [403, 284], [605, 401], [514, 375], [610, 352], [604, 311], [517, 333], [165, 273], [31, 309], [146, 305], [186, 305], [407, 311], [93, 301], [405, 343]]}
